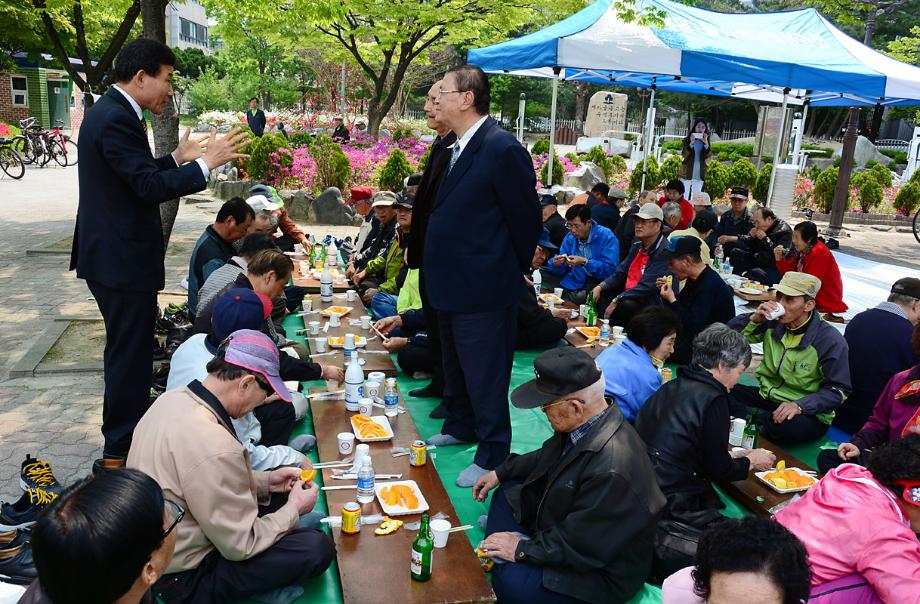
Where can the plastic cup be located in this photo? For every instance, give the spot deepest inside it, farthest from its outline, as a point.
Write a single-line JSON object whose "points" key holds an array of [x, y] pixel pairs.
{"points": [[320, 345], [314, 327], [361, 451], [583, 310], [557, 292], [440, 529], [350, 295], [334, 321], [365, 322], [346, 443]]}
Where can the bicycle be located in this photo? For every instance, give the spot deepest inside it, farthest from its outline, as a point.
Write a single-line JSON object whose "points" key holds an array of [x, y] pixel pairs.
{"points": [[69, 147], [10, 162], [37, 145]]}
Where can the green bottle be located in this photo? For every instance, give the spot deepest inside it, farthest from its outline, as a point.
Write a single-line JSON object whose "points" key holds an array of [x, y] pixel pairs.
{"points": [[312, 256], [422, 550], [751, 434], [591, 318], [323, 257]]}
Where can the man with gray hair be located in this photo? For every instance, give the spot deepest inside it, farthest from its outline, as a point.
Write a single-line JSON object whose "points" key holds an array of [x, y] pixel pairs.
{"points": [[671, 211], [591, 478], [684, 425]]}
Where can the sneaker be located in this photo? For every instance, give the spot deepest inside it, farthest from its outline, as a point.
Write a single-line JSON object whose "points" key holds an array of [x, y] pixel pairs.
{"points": [[37, 474], [13, 538], [105, 464], [20, 567], [25, 510]]}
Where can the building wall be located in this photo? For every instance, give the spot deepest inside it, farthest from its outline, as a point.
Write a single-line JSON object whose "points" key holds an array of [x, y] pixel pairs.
{"points": [[37, 78], [194, 13], [8, 113]]}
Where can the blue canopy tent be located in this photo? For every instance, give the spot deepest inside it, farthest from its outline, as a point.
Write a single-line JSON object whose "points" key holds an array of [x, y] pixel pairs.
{"points": [[793, 56]]}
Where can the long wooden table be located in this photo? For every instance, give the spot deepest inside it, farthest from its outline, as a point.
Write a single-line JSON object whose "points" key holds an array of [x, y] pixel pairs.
{"points": [[312, 285], [376, 568], [747, 491], [375, 360]]}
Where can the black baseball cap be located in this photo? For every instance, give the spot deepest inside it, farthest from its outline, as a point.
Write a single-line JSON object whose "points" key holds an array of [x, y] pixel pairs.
{"points": [[739, 192], [683, 246], [548, 200], [545, 242], [557, 372], [907, 286], [403, 201]]}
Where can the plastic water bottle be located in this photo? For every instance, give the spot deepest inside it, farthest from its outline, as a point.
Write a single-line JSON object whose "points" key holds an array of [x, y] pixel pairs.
{"points": [[333, 254], [354, 384], [349, 347], [325, 286], [366, 481], [537, 281], [604, 336], [391, 398]]}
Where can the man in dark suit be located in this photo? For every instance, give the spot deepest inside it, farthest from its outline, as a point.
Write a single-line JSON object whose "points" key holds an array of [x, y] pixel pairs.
{"points": [[473, 273], [118, 240], [255, 117], [425, 197]]}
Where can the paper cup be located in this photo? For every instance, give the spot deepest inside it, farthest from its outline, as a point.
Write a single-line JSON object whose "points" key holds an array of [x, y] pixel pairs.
{"points": [[350, 295], [332, 385], [320, 345], [372, 389], [439, 531], [583, 310], [361, 451], [307, 304], [377, 376], [346, 443], [314, 327], [557, 292], [365, 321], [365, 406], [334, 321], [617, 331]]}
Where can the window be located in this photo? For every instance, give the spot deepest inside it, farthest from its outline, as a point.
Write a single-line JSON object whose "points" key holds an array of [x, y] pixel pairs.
{"points": [[20, 87], [192, 32]]}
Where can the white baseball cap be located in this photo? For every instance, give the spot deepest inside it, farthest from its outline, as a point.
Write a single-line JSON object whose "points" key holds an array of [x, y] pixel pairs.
{"points": [[259, 203]]}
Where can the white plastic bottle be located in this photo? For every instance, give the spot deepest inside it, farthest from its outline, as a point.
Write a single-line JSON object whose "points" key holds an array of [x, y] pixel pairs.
{"points": [[366, 481], [325, 286], [354, 384], [537, 281], [332, 252]]}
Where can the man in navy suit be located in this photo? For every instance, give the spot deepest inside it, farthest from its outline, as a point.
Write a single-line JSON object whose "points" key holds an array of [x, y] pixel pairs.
{"points": [[118, 240], [482, 230]]}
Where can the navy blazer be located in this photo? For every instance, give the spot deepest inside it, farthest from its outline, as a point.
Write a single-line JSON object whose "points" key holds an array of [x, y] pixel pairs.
{"points": [[484, 226], [118, 238]]}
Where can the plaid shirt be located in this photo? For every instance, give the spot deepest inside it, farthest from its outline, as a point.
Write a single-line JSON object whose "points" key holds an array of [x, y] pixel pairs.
{"points": [[578, 433]]}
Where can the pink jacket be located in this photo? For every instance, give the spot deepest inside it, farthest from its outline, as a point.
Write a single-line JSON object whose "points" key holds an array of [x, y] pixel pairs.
{"points": [[850, 524]]}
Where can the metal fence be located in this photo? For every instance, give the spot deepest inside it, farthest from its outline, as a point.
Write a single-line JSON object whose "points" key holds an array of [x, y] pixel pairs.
{"points": [[892, 144]]}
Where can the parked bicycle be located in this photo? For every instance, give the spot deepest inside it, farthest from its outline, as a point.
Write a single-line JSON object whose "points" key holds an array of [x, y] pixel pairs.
{"points": [[36, 146], [69, 147], [10, 162]]}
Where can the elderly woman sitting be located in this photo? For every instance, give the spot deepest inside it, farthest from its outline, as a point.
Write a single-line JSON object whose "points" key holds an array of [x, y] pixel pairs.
{"points": [[685, 427], [858, 526], [631, 369]]}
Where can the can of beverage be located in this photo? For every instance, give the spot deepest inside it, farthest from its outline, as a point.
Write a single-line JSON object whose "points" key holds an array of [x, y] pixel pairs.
{"points": [[666, 375], [351, 518], [417, 453]]}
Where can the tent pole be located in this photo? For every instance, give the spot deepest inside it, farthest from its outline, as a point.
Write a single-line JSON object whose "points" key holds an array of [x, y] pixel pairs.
{"points": [[779, 146], [649, 133], [552, 128]]}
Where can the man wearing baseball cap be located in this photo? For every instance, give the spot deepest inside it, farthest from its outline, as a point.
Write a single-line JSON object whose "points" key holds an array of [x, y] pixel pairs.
{"points": [[591, 478], [361, 202], [291, 234], [703, 298], [240, 534], [735, 222], [632, 286], [382, 204], [553, 220], [804, 376], [880, 346]]}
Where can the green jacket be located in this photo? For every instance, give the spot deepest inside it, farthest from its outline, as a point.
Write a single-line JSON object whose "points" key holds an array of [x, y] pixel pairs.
{"points": [[388, 264], [811, 368], [409, 297]]}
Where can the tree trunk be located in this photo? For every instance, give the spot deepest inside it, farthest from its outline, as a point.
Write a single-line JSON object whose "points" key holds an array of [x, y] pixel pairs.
{"points": [[581, 98], [374, 118], [875, 126], [165, 125], [842, 192]]}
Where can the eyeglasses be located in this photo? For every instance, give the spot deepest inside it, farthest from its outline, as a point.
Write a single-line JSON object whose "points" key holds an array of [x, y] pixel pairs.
{"points": [[440, 92], [572, 225], [175, 513], [911, 492], [565, 400]]}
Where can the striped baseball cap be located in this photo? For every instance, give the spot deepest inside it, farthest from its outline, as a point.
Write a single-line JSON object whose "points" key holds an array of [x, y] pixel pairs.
{"points": [[253, 350]]}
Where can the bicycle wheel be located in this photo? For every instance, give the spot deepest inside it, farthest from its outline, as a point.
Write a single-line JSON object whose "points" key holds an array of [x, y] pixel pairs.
{"points": [[11, 163], [57, 153], [70, 148], [43, 151], [23, 147], [917, 226]]}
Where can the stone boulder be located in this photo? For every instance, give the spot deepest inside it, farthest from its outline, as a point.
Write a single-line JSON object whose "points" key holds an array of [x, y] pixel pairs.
{"points": [[228, 189], [865, 152], [329, 208], [585, 176], [298, 204]]}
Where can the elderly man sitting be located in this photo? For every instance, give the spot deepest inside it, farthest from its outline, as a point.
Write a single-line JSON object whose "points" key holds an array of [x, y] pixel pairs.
{"points": [[804, 375], [574, 520], [228, 548]]}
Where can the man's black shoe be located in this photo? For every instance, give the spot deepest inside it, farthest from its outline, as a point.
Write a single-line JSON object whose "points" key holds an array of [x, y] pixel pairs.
{"points": [[36, 473], [439, 412], [18, 568], [13, 538], [105, 464], [426, 392], [23, 512]]}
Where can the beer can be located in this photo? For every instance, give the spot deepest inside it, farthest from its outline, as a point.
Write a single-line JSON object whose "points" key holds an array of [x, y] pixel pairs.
{"points": [[666, 375], [351, 518], [417, 453]]}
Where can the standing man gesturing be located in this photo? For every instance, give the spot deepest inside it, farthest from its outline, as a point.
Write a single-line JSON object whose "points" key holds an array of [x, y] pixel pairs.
{"points": [[473, 273], [118, 240]]}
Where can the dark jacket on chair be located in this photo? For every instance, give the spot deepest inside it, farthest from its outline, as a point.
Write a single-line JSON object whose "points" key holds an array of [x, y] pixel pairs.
{"points": [[483, 227], [118, 238], [593, 510]]}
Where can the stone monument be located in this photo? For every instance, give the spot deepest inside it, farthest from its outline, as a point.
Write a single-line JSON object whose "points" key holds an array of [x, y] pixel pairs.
{"points": [[606, 111]]}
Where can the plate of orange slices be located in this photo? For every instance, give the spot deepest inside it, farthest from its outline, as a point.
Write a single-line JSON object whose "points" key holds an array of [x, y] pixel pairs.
{"points": [[336, 310], [787, 480], [589, 332], [400, 498], [371, 429]]}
